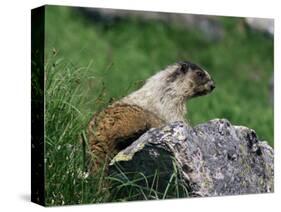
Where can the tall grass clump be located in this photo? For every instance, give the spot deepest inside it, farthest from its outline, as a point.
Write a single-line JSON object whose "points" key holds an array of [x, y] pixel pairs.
{"points": [[67, 180], [162, 184]]}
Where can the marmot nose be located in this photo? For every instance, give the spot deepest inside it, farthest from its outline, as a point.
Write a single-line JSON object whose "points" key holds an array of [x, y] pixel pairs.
{"points": [[212, 86]]}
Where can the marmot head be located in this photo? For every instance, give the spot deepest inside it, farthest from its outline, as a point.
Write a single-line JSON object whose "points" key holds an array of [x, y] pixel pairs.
{"points": [[188, 80], [166, 92]]}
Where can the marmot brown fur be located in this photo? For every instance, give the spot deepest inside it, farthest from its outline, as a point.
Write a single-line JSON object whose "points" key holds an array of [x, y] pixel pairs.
{"points": [[159, 101]]}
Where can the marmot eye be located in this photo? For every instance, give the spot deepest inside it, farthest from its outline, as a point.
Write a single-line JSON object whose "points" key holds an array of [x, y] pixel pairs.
{"points": [[200, 74]]}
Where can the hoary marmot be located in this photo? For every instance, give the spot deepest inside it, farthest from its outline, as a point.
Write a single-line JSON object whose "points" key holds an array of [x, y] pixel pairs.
{"points": [[161, 100]]}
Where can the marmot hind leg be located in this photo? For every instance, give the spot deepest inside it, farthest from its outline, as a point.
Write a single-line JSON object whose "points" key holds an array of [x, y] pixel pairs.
{"points": [[115, 128]]}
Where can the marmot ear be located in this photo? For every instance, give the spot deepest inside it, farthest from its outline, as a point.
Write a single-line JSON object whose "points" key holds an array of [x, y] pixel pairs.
{"points": [[184, 67]]}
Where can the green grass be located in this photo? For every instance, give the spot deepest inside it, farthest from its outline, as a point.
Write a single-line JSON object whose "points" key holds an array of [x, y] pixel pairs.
{"points": [[88, 65]]}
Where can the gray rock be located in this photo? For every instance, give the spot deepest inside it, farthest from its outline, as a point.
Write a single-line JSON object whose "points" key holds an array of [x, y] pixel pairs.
{"points": [[209, 26], [261, 24], [211, 159]]}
